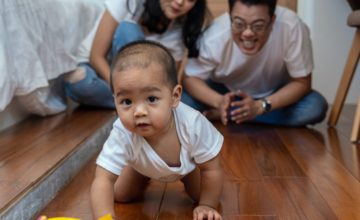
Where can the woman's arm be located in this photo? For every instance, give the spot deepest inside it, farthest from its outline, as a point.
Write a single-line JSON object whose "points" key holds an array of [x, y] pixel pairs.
{"points": [[102, 44], [102, 193]]}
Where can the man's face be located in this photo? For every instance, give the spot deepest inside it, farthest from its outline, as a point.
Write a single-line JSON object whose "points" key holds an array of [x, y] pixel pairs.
{"points": [[250, 26]]}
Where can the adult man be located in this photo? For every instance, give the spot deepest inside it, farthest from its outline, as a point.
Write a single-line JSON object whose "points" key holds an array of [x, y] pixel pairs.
{"points": [[262, 55]]}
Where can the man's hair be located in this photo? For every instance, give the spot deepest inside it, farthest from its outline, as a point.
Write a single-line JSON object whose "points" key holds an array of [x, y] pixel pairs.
{"points": [[141, 54], [271, 4]]}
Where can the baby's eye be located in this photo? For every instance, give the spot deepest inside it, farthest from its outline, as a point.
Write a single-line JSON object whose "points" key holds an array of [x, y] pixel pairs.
{"points": [[152, 99], [126, 102]]}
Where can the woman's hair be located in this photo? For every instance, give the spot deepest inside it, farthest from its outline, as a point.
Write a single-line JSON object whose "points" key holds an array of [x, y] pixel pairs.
{"points": [[193, 22], [271, 4]]}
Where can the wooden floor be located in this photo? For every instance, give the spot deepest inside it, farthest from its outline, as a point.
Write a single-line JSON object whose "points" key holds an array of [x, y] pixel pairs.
{"points": [[33, 149], [271, 173]]}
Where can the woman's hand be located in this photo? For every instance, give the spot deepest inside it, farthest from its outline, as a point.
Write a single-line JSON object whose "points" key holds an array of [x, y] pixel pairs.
{"points": [[205, 212]]}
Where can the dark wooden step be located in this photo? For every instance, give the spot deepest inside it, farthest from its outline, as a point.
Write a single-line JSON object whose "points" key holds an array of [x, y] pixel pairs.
{"points": [[41, 154]]}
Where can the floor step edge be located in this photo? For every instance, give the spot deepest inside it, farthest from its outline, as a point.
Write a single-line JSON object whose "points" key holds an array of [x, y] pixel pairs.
{"points": [[43, 192]]}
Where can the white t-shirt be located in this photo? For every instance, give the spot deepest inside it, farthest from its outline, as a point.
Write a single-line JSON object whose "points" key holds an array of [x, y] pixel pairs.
{"points": [[287, 53], [119, 10], [200, 142]]}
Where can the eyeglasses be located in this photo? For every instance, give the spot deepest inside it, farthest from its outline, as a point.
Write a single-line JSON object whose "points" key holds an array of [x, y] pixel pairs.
{"points": [[257, 27]]}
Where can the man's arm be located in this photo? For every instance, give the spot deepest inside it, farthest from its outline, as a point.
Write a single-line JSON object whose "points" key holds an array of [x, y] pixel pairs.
{"points": [[102, 193], [291, 92], [199, 90]]}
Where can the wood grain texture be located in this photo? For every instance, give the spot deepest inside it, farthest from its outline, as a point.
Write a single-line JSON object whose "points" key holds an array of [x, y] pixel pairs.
{"points": [[74, 200], [271, 173], [332, 179], [346, 79], [30, 150]]}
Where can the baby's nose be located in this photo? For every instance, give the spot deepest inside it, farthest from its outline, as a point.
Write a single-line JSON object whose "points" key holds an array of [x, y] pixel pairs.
{"points": [[180, 2], [140, 110]]}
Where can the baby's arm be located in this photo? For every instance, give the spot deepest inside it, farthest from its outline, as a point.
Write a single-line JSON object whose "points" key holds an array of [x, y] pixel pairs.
{"points": [[102, 193], [211, 175]]}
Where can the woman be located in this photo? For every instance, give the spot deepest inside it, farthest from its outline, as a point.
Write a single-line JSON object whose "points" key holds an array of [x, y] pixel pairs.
{"points": [[176, 24]]}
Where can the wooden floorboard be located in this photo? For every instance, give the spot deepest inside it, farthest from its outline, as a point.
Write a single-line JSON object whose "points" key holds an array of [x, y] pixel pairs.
{"points": [[337, 184], [74, 200], [146, 207], [31, 149], [271, 173], [176, 203]]}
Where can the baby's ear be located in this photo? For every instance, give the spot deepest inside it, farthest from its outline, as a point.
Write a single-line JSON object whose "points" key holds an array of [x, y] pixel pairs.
{"points": [[176, 95]]}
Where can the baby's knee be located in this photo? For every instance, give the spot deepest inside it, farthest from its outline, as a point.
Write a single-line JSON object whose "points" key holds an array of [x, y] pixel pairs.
{"points": [[127, 196]]}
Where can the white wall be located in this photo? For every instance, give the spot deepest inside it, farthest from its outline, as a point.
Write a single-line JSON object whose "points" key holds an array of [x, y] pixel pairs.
{"points": [[331, 39]]}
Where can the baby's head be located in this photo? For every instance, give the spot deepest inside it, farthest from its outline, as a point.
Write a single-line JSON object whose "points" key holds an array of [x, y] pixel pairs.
{"points": [[140, 54], [144, 83]]}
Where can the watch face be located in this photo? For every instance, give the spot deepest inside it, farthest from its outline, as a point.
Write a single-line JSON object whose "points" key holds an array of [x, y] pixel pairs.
{"points": [[266, 105]]}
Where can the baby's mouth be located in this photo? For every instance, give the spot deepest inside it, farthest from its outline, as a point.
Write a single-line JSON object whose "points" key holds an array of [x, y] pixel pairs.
{"points": [[142, 124]]}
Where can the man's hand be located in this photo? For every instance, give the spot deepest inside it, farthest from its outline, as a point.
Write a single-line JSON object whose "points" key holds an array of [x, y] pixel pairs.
{"points": [[221, 111], [244, 108], [205, 212], [223, 108]]}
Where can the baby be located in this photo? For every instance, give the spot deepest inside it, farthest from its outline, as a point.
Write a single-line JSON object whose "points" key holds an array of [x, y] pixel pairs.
{"points": [[156, 136]]}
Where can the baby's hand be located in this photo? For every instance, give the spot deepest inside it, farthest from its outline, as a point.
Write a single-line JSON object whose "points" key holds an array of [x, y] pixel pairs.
{"points": [[205, 212]]}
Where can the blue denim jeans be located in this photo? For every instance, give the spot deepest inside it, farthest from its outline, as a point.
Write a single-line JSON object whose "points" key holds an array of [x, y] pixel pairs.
{"points": [[310, 109], [93, 90]]}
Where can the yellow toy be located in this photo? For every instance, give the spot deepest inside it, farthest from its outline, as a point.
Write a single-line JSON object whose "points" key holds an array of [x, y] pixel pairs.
{"points": [[57, 218], [105, 217]]}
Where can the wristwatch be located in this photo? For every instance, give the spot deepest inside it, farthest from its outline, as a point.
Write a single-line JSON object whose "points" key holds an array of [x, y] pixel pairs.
{"points": [[266, 105]]}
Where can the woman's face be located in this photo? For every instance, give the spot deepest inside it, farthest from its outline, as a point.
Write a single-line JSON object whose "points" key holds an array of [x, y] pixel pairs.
{"points": [[176, 8]]}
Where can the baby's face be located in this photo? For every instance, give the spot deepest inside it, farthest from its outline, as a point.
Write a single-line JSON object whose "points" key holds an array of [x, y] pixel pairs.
{"points": [[144, 99]]}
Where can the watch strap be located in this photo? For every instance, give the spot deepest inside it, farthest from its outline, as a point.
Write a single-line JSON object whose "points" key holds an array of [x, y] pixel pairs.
{"points": [[266, 105]]}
